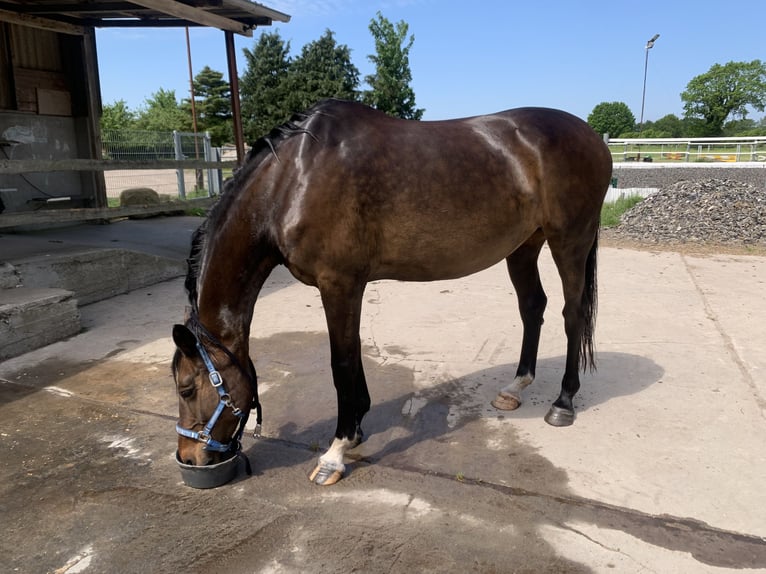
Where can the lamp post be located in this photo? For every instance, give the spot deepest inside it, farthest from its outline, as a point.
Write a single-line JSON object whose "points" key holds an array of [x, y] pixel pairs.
{"points": [[649, 46]]}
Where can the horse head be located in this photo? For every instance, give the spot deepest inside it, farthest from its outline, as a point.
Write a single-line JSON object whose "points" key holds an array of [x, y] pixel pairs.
{"points": [[215, 396]]}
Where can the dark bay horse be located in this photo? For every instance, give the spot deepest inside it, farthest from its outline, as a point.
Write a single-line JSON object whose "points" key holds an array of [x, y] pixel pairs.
{"points": [[343, 195]]}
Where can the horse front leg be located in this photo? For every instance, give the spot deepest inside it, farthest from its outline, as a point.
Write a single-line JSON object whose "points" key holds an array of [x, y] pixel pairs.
{"points": [[343, 307], [522, 268]]}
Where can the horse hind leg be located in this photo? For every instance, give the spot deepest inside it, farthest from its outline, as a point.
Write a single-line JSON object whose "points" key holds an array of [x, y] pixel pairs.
{"points": [[343, 306], [577, 269], [522, 268]]}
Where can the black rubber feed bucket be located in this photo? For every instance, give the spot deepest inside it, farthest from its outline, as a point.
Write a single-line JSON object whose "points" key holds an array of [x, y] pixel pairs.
{"points": [[209, 476]]}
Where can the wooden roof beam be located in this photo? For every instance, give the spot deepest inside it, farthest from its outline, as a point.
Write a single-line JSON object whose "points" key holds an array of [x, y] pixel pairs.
{"points": [[41, 23], [260, 9], [202, 17]]}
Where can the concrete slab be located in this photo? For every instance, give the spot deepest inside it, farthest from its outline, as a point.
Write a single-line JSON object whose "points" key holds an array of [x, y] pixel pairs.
{"points": [[662, 470], [162, 236], [94, 274], [31, 318]]}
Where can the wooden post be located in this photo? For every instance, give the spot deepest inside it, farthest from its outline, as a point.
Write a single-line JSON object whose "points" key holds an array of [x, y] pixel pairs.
{"points": [[93, 94]]}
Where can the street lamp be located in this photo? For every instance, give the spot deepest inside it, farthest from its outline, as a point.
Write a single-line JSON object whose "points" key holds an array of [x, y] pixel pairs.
{"points": [[649, 46]]}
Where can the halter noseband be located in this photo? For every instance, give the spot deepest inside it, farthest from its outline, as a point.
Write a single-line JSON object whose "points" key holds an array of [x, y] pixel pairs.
{"points": [[224, 400]]}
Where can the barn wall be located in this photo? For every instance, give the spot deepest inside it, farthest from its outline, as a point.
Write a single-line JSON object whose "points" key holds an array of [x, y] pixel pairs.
{"points": [[45, 113], [37, 137]]}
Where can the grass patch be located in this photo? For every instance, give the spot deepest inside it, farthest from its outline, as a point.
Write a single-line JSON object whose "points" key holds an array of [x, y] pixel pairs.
{"points": [[611, 212]]}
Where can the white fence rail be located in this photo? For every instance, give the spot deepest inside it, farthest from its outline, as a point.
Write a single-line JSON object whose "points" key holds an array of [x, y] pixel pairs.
{"points": [[689, 150]]}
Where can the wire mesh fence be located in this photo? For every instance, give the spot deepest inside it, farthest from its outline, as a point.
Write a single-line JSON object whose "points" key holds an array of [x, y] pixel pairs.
{"points": [[141, 145]]}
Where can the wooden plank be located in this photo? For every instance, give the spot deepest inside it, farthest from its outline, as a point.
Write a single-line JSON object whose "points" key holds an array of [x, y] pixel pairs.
{"points": [[17, 166], [30, 82], [41, 23], [32, 79], [54, 216], [54, 102]]}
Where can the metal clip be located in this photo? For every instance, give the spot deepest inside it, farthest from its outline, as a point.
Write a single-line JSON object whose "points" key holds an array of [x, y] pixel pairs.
{"points": [[226, 400]]}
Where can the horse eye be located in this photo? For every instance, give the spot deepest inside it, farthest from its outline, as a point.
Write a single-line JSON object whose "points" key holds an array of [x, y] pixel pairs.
{"points": [[186, 393]]}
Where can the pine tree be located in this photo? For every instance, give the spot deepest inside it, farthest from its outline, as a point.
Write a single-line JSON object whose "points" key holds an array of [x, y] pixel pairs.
{"points": [[391, 91], [263, 86], [323, 70], [212, 103]]}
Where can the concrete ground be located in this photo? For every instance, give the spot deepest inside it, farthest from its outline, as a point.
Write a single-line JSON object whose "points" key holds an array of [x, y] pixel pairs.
{"points": [[663, 470]]}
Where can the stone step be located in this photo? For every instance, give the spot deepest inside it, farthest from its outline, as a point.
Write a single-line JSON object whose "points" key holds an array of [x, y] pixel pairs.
{"points": [[9, 277], [96, 274], [31, 318]]}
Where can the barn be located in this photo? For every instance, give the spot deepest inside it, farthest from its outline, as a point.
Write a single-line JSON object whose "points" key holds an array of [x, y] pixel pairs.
{"points": [[51, 166]]}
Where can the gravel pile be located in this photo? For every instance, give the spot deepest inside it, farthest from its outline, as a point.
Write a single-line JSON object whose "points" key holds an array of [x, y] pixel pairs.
{"points": [[722, 211]]}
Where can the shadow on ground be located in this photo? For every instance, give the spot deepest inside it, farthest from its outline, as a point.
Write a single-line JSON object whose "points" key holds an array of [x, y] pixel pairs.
{"points": [[443, 483]]}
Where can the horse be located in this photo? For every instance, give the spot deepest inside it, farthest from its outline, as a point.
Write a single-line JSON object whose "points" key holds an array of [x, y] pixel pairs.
{"points": [[342, 195]]}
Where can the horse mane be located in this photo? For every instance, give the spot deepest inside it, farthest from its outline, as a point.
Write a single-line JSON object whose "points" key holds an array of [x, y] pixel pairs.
{"points": [[266, 146]]}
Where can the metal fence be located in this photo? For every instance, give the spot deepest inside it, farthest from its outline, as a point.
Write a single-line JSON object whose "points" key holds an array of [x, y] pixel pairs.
{"points": [[140, 145], [686, 150]]}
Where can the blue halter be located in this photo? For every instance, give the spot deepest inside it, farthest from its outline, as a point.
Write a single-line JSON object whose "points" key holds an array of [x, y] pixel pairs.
{"points": [[224, 400]]}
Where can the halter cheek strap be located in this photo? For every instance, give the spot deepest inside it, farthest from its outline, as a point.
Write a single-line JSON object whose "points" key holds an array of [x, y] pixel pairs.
{"points": [[224, 400]]}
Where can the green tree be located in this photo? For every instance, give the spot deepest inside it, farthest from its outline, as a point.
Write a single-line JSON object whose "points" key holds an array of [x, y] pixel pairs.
{"points": [[263, 85], [725, 91], [117, 116], [162, 112], [669, 126], [759, 129], [391, 91], [212, 104], [323, 70], [613, 118]]}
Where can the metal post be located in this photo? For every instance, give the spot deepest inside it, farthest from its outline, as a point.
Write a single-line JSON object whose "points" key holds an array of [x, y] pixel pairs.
{"points": [[649, 46], [179, 171], [212, 174], [236, 113], [197, 172]]}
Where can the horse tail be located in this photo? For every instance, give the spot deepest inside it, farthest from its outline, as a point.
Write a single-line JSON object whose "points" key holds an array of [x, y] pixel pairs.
{"points": [[589, 309]]}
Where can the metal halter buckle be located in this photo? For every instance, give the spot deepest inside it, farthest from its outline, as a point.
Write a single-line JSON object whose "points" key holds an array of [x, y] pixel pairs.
{"points": [[215, 378]]}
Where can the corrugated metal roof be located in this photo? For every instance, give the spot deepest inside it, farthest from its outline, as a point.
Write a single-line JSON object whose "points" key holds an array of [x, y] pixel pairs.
{"points": [[239, 16]]}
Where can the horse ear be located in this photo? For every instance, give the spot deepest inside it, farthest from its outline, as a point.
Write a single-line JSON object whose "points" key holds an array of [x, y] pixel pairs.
{"points": [[185, 340]]}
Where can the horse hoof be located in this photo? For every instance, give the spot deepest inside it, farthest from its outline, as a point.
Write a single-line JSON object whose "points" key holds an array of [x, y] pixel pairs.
{"points": [[506, 401], [325, 475], [559, 417]]}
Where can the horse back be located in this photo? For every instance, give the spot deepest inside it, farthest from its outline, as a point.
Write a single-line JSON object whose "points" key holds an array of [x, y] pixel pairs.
{"points": [[390, 198]]}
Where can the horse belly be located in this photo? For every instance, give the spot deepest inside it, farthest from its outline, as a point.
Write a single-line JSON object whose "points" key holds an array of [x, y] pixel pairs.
{"points": [[432, 253]]}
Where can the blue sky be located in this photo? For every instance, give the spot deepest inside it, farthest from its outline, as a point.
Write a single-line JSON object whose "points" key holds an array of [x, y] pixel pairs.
{"points": [[480, 57]]}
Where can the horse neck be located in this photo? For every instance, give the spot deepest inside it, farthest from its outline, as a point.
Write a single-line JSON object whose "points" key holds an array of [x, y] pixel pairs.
{"points": [[234, 267]]}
